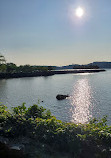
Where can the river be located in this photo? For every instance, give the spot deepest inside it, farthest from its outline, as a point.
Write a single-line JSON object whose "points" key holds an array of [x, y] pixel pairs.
{"points": [[90, 94]]}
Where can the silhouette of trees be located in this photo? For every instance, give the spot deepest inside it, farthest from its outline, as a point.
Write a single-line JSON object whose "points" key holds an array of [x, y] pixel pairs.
{"points": [[2, 63], [2, 60], [11, 67]]}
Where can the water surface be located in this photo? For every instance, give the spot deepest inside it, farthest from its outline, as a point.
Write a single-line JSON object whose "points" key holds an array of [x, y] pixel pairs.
{"points": [[90, 94]]}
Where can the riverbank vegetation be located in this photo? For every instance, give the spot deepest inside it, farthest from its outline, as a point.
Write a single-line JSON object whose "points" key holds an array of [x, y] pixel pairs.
{"points": [[48, 137], [13, 68]]}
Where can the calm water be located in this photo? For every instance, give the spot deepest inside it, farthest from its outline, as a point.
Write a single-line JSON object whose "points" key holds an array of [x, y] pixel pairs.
{"points": [[90, 94]]}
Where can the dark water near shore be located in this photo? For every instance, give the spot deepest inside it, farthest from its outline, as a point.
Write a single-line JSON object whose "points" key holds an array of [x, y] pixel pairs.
{"points": [[90, 94]]}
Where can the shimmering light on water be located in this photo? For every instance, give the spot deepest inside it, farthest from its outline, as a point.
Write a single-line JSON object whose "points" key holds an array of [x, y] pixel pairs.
{"points": [[81, 102], [90, 94]]}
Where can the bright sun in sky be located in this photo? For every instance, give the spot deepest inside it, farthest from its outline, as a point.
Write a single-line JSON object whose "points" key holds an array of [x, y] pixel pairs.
{"points": [[79, 12]]}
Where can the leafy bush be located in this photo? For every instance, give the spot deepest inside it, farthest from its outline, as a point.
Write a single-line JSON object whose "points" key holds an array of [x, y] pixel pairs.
{"points": [[38, 124]]}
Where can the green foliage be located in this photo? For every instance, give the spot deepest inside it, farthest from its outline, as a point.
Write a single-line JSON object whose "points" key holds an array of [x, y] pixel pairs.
{"points": [[11, 67], [35, 111], [25, 68], [38, 123], [3, 68], [4, 114], [20, 109]]}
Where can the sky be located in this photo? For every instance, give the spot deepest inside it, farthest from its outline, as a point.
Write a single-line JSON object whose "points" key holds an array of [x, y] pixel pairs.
{"points": [[47, 32]]}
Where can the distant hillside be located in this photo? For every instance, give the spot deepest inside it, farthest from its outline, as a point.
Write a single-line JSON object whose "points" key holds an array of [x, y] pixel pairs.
{"points": [[94, 65], [103, 64], [77, 66]]}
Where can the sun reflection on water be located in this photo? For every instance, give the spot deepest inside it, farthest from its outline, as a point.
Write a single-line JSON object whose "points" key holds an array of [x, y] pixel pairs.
{"points": [[81, 102]]}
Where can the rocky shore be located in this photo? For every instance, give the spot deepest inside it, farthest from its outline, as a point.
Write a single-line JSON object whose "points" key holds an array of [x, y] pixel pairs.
{"points": [[30, 74], [47, 73]]}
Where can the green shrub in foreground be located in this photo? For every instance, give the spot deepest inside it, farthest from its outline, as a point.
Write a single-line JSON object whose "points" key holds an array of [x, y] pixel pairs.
{"points": [[38, 124]]}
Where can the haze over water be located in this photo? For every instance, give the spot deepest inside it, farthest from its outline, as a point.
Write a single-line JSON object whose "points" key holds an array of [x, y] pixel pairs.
{"points": [[89, 94]]}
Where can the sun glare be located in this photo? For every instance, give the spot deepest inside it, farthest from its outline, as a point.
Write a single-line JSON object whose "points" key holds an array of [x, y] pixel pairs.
{"points": [[81, 102], [79, 12]]}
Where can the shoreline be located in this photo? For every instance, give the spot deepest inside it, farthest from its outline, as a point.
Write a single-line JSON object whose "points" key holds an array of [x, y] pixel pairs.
{"points": [[47, 73]]}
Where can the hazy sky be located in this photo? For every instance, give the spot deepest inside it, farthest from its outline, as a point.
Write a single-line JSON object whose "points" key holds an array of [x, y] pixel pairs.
{"points": [[47, 32]]}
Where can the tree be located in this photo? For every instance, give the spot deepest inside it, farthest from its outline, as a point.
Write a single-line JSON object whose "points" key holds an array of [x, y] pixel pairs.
{"points": [[11, 67], [2, 63], [2, 59], [3, 68], [25, 68]]}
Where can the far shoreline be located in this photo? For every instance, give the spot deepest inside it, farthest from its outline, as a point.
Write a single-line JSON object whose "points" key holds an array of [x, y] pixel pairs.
{"points": [[47, 73]]}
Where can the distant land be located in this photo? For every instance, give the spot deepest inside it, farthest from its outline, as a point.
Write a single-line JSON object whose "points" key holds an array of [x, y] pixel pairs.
{"points": [[74, 66], [11, 70], [102, 64]]}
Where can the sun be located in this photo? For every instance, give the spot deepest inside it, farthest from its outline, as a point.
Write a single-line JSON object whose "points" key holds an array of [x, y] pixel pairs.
{"points": [[79, 12]]}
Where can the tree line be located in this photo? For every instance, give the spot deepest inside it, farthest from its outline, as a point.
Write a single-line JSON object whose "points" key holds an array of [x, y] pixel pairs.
{"points": [[13, 68]]}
